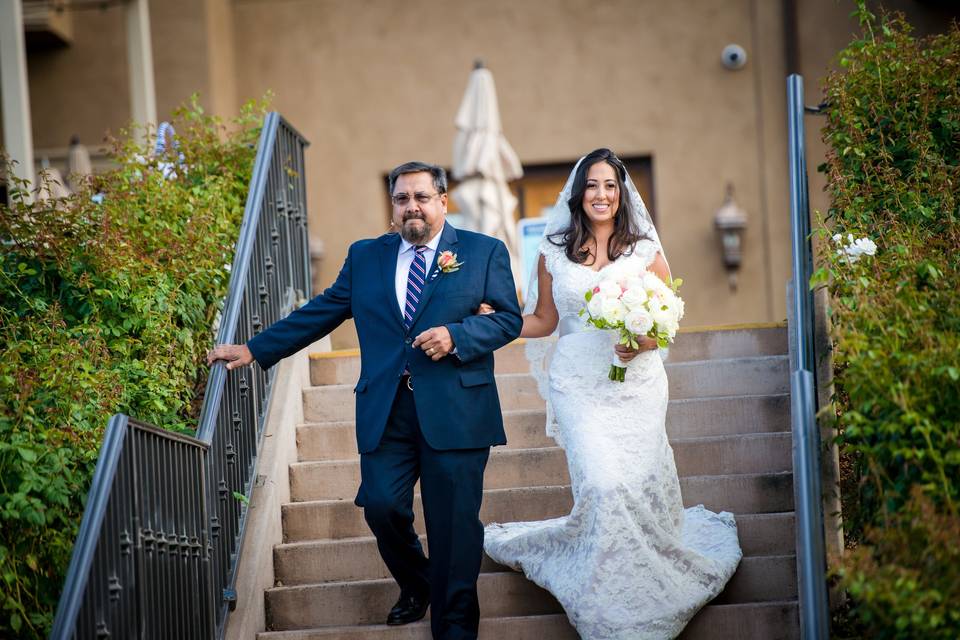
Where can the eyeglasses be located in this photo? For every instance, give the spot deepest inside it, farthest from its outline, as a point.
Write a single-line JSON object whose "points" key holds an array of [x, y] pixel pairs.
{"points": [[403, 199]]}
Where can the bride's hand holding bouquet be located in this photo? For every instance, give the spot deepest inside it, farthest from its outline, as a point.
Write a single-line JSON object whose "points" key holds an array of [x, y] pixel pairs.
{"points": [[636, 306]]}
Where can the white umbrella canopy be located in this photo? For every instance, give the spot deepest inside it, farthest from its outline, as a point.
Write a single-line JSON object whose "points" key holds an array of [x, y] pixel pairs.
{"points": [[483, 162], [78, 162]]}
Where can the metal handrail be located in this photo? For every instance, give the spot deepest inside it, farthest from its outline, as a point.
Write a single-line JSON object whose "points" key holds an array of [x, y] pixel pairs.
{"points": [[811, 557], [86, 543], [162, 532]]}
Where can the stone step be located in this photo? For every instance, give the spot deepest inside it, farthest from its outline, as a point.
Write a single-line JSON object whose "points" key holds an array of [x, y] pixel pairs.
{"points": [[777, 620], [739, 494], [339, 479], [698, 417], [546, 627], [368, 601], [343, 367], [317, 561], [726, 455], [543, 466], [728, 415], [762, 375], [748, 621], [502, 594]]}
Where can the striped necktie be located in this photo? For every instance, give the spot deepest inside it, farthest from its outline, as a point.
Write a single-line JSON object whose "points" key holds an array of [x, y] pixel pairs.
{"points": [[415, 283]]}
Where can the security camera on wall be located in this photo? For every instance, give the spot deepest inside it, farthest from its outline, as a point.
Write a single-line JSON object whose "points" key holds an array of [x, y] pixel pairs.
{"points": [[733, 57]]}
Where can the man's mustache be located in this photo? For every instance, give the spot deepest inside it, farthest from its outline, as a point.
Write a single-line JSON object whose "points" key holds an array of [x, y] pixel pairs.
{"points": [[414, 216]]}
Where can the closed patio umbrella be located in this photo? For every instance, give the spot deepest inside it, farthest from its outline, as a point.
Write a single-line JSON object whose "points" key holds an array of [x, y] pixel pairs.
{"points": [[483, 162], [78, 162]]}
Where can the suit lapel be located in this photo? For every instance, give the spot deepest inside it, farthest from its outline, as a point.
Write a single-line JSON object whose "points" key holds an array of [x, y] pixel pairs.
{"points": [[448, 241], [388, 272]]}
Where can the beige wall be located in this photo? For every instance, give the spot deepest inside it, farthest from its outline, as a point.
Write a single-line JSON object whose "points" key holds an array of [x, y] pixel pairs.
{"points": [[373, 83], [824, 29], [84, 88]]}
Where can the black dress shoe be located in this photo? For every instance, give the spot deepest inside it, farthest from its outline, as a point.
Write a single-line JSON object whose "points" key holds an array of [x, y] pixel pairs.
{"points": [[409, 608]]}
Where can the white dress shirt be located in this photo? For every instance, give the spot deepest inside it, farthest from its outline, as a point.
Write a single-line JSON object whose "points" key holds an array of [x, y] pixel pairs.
{"points": [[405, 259]]}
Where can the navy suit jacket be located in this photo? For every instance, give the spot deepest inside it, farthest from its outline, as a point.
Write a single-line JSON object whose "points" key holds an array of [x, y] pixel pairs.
{"points": [[456, 397]]}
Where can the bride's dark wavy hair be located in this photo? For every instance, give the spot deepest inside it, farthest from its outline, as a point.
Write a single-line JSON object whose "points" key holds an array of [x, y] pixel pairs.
{"points": [[625, 232]]}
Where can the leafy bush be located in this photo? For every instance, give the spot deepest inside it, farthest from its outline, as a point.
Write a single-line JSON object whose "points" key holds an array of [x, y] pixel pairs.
{"points": [[907, 578], [893, 168], [107, 300]]}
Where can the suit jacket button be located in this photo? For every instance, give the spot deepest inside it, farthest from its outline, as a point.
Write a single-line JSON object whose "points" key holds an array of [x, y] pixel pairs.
{"points": [[408, 341]]}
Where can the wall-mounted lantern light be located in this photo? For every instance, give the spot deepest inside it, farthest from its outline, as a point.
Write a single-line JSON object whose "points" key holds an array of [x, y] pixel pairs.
{"points": [[731, 222]]}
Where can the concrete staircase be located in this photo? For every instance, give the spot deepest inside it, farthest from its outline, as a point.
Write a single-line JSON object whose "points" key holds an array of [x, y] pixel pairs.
{"points": [[728, 422]]}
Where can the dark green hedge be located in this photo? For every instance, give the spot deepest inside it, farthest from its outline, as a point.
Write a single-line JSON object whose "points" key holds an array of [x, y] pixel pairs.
{"points": [[893, 169], [107, 300]]}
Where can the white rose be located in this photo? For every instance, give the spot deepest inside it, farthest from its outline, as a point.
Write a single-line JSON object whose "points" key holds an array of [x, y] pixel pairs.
{"points": [[658, 300], [663, 315], [638, 322], [678, 307], [610, 288], [595, 306], [652, 283], [634, 282], [634, 297], [612, 310]]}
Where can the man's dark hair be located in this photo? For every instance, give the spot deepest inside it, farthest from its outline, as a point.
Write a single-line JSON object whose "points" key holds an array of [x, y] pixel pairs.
{"points": [[438, 174]]}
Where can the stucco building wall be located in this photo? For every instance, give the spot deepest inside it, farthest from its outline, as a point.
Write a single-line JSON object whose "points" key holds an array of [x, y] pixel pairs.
{"points": [[373, 83]]}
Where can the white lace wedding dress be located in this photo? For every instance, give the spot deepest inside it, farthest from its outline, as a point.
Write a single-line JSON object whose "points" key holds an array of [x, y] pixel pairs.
{"points": [[628, 562]]}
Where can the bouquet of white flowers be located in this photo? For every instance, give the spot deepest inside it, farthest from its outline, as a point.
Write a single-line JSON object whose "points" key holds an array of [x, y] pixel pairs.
{"points": [[639, 305]]}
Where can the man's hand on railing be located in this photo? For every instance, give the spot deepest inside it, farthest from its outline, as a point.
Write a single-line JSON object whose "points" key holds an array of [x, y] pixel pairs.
{"points": [[235, 355]]}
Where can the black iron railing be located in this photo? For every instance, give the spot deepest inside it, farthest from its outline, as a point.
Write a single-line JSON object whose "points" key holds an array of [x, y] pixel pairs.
{"points": [[160, 539], [811, 558]]}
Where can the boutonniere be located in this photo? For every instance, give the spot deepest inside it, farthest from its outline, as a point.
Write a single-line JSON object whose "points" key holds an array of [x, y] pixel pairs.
{"points": [[447, 262]]}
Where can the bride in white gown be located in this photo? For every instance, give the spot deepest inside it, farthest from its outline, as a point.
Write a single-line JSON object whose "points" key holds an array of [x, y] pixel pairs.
{"points": [[628, 562]]}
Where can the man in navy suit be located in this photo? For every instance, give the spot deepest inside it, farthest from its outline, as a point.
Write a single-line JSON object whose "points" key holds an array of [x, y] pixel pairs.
{"points": [[427, 403]]}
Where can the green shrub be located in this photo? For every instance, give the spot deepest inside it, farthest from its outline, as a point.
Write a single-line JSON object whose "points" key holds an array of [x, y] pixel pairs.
{"points": [[107, 300], [907, 577], [893, 168]]}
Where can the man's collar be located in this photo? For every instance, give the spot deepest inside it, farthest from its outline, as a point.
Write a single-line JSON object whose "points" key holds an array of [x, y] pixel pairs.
{"points": [[432, 245]]}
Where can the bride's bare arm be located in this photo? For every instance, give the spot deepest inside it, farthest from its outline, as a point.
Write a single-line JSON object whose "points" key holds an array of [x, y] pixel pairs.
{"points": [[660, 267], [544, 318]]}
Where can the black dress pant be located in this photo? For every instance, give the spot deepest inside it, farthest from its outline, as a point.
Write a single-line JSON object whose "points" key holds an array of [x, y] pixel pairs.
{"points": [[451, 487]]}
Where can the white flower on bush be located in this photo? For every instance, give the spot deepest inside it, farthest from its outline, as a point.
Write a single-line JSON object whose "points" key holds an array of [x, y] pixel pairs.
{"points": [[854, 248]]}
